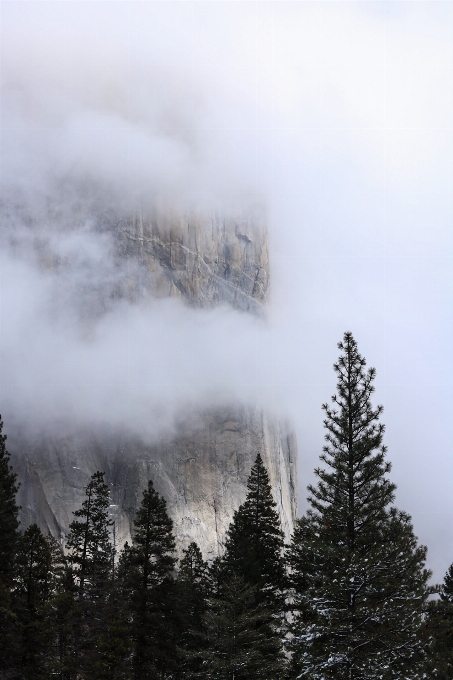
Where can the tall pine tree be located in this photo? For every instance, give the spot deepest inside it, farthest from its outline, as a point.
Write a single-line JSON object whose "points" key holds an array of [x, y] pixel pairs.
{"points": [[254, 552], [32, 595], [90, 557], [64, 616], [193, 586], [146, 569], [89, 545], [254, 543], [359, 580], [114, 643]]}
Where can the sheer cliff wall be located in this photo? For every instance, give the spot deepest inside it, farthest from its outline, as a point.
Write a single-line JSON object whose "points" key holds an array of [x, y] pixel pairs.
{"points": [[202, 468]]}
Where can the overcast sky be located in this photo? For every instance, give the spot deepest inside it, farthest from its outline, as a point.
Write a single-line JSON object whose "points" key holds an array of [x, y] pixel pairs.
{"points": [[337, 117]]}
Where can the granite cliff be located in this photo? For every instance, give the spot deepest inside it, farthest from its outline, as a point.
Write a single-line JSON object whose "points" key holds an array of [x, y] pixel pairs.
{"points": [[202, 467]]}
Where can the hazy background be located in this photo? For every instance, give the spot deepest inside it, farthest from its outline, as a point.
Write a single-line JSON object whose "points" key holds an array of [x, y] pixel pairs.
{"points": [[337, 117]]}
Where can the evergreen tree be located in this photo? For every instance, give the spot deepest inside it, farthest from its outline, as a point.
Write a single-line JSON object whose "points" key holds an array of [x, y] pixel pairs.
{"points": [[440, 629], [64, 618], [254, 543], [446, 592], [193, 587], [89, 546], [9, 537], [192, 594], [358, 575], [31, 598], [146, 569], [9, 523], [234, 637], [254, 551], [90, 559], [114, 644], [192, 568]]}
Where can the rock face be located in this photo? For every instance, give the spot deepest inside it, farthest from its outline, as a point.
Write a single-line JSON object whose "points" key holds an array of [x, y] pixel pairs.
{"points": [[204, 260], [202, 472], [202, 469]]}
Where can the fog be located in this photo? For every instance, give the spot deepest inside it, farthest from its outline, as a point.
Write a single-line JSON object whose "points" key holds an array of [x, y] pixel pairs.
{"points": [[335, 118]]}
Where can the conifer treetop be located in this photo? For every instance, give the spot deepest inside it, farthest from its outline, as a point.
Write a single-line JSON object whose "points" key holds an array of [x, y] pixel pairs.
{"points": [[192, 567], [90, 549], [153, 541], [354, 454], [254, 543]]}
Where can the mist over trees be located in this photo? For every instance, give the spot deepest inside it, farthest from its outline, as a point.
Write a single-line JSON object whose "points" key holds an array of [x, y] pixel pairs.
{"points": [[348, 598]]}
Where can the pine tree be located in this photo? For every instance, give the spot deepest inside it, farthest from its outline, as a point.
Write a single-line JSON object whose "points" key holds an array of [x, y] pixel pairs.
{"points": [[89, 546], [9, 537], [254, 551], [114, 644], [90, 559], [31, 598], [192, 594], [113, 652], [34, 568], [359, 581], [254, 543], [64, 617], [193, 586], [146, 569], [440, 629]]}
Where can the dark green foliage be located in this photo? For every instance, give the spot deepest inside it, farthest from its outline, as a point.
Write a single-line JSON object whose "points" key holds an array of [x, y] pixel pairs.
{"points": [[358, 576], [192, 595], [45, 608], [193, 585], [64, 618], [440, 630], [254, 552], [113, 649], [446, 593], [89, 546], [193, 569], [9, 523], [90, 559], [9, 634], [33, 591], [236, 639], [9, 537], [114, 644], [146, 570], [34, 569], [254, 544]]}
